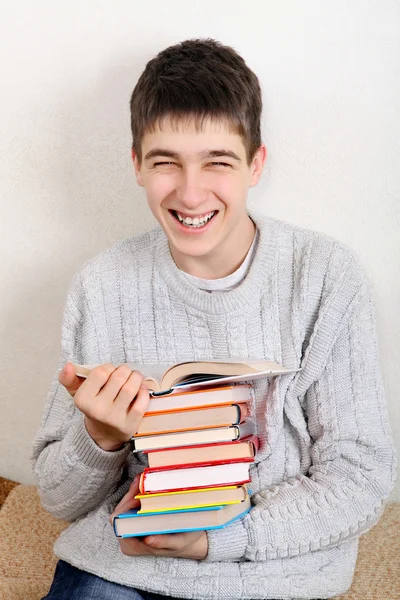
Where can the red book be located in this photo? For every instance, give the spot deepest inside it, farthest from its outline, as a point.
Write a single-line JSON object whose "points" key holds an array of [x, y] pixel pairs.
{"points": [[183, 477]]}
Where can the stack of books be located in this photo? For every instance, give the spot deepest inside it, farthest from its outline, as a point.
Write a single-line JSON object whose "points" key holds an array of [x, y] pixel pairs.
{"points": [[199, 445]]}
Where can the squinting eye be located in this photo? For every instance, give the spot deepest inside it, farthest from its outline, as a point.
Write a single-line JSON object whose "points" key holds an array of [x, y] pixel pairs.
{"points": [[163, 163], [220, 164]]}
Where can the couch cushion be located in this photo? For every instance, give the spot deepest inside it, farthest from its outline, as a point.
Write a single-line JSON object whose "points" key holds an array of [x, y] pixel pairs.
{"points": [[6, 485], [27, 534], [377, 575]]}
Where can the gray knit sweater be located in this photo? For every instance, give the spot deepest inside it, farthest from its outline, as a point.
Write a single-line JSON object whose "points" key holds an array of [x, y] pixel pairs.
{"points": [[326, 461]]}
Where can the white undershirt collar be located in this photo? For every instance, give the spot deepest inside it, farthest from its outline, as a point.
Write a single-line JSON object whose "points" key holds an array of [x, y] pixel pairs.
{"points": [[230, 282]]}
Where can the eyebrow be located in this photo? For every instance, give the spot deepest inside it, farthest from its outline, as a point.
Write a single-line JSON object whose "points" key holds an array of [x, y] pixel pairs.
{"points": [[205, 154]]}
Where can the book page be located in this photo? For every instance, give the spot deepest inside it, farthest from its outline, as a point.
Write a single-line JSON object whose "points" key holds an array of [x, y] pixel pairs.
{"points": [[152, 372]]}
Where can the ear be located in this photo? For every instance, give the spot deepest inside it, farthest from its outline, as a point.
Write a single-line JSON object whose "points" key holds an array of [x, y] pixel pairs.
{"points": [[137, 167], [257, 165]]}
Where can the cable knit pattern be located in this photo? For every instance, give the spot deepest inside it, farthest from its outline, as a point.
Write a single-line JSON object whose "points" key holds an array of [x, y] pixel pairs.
{"points": [[326, 461]]}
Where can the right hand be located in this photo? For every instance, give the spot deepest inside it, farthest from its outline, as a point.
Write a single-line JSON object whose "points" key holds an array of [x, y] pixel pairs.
{"points": [[113, 400]]}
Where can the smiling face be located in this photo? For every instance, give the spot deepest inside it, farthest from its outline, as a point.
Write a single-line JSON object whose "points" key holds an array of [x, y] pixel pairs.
{"points": [[196, 184]]}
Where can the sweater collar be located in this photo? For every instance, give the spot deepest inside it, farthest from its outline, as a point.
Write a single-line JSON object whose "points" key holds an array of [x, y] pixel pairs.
{"points": [[246, 294]]}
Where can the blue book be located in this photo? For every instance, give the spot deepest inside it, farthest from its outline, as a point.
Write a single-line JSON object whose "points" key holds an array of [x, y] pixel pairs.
{"points": [[133, 523]]}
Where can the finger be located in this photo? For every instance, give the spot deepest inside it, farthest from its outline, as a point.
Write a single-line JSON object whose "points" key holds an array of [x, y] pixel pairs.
{"points": [[138, 407], [128, 501], [129, 496], [68, 378], [115, 383], [131, 493], [98, 378], [134, 487], [125, 505], [129, 391], [133, 546], [92, 385], [166, 541], [176, 542]]}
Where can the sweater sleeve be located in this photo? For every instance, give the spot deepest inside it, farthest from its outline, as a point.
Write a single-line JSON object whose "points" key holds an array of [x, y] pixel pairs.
{"points": [[72, 473], [352, 457]]}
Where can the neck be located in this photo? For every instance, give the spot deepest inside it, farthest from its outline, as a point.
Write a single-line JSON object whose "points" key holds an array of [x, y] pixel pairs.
{"points": [[247, 294], [224, 260]]}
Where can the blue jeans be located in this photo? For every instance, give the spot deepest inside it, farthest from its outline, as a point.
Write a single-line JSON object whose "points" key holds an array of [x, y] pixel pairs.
{"points": [[70, 583]]}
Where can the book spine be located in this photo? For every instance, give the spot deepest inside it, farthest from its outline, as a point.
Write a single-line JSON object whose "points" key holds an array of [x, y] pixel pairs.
{"points": [[243, 412], [236, 432], [115, 525], [238, 414], [141, 482], [245, 429]]}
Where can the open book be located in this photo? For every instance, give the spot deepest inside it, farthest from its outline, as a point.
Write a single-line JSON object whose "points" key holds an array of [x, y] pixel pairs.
{"points": [[186, 376]]}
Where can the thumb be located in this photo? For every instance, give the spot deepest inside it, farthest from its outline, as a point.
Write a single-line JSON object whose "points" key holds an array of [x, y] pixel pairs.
{"points": [[68, 378], [128, 501]]}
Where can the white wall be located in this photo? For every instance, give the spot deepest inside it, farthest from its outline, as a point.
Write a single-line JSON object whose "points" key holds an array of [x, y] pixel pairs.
{"points": [[330, 74]]}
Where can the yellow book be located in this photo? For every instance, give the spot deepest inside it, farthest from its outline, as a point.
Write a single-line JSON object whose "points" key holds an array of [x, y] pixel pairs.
{"points": [[188, 499]]}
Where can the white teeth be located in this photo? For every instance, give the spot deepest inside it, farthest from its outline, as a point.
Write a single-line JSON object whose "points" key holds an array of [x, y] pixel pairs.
{"points": [[196, 221]]}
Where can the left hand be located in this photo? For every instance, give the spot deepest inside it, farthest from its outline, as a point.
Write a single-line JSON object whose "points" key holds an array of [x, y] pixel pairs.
{"points": [[191, 544]]}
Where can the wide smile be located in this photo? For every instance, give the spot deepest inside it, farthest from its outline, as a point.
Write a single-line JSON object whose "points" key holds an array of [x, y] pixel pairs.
{"points": [[188, 222]]}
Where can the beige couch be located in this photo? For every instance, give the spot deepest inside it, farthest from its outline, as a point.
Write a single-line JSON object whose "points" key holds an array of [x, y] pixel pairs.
{"points": [[27, 563]]}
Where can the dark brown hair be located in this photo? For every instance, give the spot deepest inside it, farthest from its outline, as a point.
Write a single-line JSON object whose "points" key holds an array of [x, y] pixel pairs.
{"points": [[198, 79]]}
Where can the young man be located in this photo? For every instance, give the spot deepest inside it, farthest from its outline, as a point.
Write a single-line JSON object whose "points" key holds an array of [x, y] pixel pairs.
{"points": [[215, 281]]}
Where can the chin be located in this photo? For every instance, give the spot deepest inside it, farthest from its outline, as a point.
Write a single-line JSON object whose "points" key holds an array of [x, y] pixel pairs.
{"points": [[194, 250]]}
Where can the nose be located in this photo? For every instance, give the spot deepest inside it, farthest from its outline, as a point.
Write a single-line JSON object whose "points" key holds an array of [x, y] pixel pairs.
{"points": [[190, 190]]}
